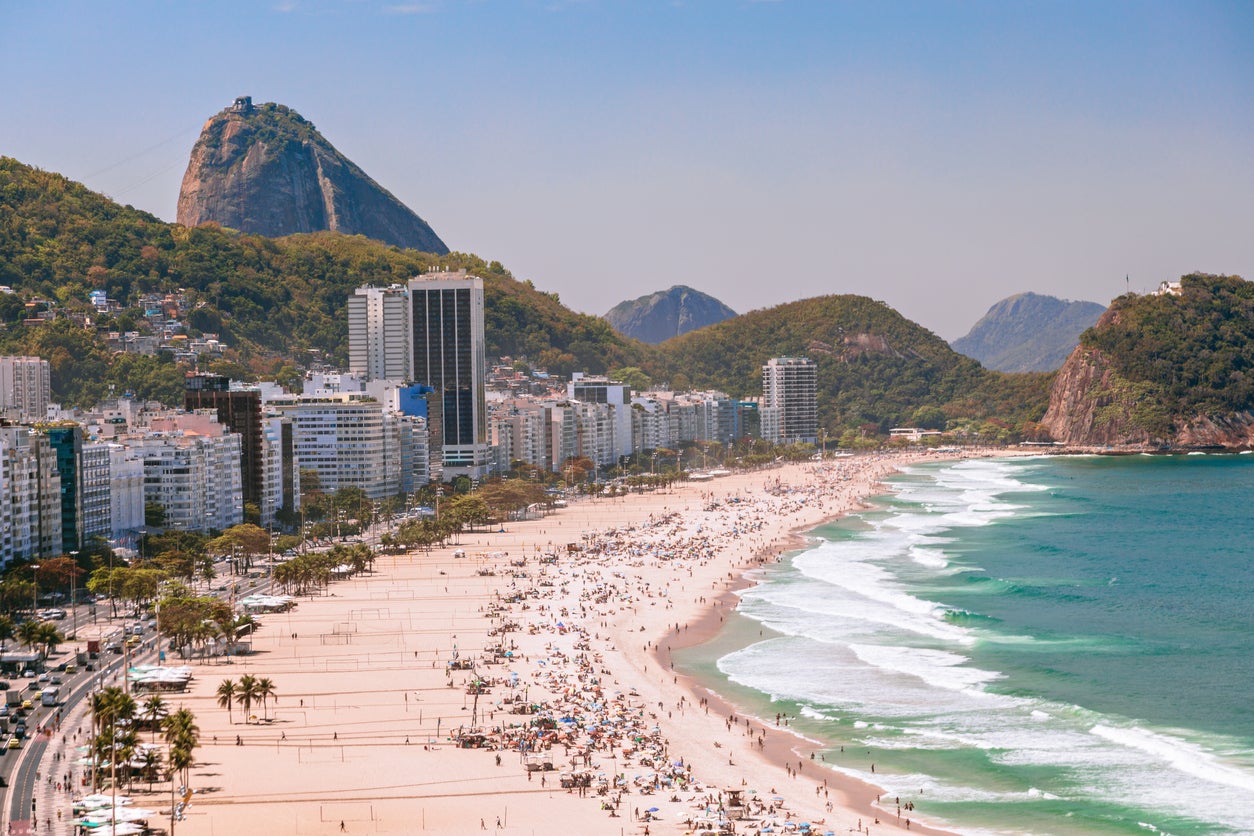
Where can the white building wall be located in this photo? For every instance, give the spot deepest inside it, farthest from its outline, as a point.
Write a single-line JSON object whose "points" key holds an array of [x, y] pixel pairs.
{"points": [[25, 388]]}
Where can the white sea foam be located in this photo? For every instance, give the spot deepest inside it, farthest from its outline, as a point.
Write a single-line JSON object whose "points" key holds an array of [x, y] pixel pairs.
{"points": [[1180, 754], [885, 665], [935, 667]]}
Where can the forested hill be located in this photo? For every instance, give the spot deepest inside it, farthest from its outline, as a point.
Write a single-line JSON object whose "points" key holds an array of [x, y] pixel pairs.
{"points": [[273, 301], [278, 302], [1171, 369], [876, 369]]}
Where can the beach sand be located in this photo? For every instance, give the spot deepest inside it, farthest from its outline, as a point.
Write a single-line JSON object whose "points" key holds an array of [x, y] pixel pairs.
{"points": [[360, 732]]}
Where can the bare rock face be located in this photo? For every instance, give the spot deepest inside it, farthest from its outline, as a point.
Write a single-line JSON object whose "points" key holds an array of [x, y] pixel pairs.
{"points": [[266, 170], [1091, 405]]}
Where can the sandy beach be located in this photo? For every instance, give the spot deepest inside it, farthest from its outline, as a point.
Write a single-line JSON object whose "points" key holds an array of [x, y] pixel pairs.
{"points": [[361, 737]]}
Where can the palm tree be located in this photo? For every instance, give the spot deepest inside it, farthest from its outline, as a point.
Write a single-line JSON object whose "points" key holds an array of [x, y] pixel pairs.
{"points": [[30, 632], [226, 696], [111, 708], [49, 636], [265, 692], [150, 763], [154, 711], [182, 735], [246, 693], [8, 631]]}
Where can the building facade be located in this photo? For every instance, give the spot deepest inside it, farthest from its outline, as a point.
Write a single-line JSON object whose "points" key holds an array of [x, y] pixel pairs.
{"points": [[344, 439], [789, 385], [25, 388], [379, 333], [30, 495], [238, 409], [448, 356]]}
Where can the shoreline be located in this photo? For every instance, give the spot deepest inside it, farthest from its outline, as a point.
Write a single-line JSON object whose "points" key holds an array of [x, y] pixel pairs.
{"points": [[787, 746], [361, 730]]}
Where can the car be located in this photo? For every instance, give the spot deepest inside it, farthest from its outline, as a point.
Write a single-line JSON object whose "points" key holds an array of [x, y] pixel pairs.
{"points": [[27, 705], [28, 674], [14, 743], [4, 710], [43, 677], [55, 679], [71, 669], [19, 731], [114, 647], [4, 685]]}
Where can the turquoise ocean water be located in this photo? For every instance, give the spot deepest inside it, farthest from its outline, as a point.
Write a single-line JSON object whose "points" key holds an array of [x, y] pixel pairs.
{"points": [[1050, 645]]}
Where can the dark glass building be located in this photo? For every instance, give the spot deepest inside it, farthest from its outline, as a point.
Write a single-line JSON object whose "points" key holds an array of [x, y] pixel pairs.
{"points": [[448, 341]]}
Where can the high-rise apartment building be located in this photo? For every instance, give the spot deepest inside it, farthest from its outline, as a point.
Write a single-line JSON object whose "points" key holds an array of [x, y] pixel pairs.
{"points": [[30, 495], [789, 385], [379, 333], [346, 439], [446, 315], [66, 440], [240, 411], [25, 388], [192, 470]]}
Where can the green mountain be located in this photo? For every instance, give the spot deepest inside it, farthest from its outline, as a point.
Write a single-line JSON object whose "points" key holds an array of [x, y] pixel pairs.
{"points": [[876, 369], [279, 303], [1028, 332], [1172, 369], [657, 317], [276, 302], [265, 169]]}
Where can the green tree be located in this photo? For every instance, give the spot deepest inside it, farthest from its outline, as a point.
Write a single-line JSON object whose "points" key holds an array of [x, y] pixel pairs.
{"points": [[226, 697]]}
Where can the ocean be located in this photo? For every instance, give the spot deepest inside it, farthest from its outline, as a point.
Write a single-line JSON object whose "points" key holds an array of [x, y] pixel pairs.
{"points": [[1054, 645]]}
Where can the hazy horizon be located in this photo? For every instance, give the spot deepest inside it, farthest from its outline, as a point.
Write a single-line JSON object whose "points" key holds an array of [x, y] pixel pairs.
{"points": [[937, 156]]}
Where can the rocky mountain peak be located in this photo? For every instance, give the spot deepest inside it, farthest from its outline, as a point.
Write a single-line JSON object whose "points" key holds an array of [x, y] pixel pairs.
{"points": [[265, 169], [659, 316]]}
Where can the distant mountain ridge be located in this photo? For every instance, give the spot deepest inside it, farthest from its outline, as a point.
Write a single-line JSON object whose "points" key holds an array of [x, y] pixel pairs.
{"points": [[1028, 332], [266, 170], [668, 313]]}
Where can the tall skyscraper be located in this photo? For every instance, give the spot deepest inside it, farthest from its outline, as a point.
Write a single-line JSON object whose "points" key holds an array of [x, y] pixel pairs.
{"points": [[379, 333], [788, 387], [448, 343], [66, 441], [25, 388]]}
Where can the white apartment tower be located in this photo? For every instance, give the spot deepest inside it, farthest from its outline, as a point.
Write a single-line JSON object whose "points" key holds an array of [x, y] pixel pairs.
{"points": [[446, 316], [25, 388], [379, 333], [788, 386]]}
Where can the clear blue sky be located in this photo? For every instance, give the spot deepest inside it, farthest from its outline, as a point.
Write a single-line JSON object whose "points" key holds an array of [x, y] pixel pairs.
{"points": [[938, 156]]}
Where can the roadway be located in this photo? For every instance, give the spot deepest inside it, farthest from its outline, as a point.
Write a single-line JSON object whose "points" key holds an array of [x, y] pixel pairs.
{"points": [[22, 768]]}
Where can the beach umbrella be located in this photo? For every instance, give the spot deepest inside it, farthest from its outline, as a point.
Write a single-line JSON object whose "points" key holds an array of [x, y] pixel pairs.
{"points": [[652, 810]]}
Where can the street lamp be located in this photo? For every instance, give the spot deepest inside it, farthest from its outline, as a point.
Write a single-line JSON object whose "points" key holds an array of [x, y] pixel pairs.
{"points": [[73, 597]]}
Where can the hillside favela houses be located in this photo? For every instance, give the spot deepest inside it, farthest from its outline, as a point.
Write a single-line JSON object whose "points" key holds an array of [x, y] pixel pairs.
{"points": [[418, 403]]}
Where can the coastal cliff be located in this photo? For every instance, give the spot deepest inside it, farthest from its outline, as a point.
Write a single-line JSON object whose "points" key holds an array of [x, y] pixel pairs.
{"points": [[266, 170], [1171, 370]]}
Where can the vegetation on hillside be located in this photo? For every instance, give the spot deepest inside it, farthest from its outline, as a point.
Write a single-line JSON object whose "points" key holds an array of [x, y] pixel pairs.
{"points": [[279, 304], [1191, 354], [876, 369], [273, 301]]}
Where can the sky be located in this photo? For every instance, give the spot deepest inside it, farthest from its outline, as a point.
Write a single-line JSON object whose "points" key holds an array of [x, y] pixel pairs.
{"points": [[938, 156]]}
